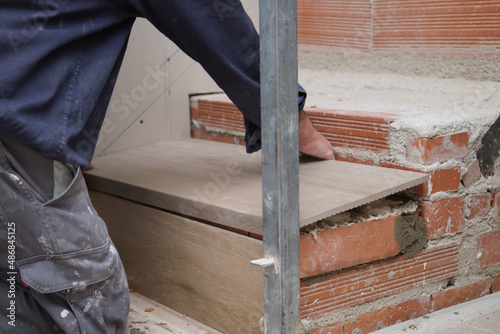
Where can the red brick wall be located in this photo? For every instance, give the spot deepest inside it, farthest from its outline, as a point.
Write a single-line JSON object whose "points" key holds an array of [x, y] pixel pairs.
{"points": [[357, 265], [435, 24], [388, 26], [344, 24], [360, 285], [411, 309]]}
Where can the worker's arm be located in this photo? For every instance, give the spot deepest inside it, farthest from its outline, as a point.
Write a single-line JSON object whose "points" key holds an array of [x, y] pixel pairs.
{"points": [[221, 37]]}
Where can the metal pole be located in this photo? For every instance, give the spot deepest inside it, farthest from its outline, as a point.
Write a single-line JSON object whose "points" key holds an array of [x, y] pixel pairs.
{"points": [[280, 165]]}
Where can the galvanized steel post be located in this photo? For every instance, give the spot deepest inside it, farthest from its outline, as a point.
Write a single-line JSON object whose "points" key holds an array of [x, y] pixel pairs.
{"points": [[280, 165]]}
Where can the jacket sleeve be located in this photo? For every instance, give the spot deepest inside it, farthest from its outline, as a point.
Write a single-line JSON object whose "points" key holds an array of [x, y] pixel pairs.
{"points": [[220, 36]]}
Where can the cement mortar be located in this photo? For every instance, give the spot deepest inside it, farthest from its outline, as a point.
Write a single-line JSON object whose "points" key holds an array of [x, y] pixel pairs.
{"points": [[198, 124], [468, 268], [375, 210], [397, 93], [411, 235], [485, 66]]}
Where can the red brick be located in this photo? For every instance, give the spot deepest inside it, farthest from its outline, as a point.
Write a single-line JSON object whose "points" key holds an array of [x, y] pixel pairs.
{"points": [[348, 158], [445, 180], [479, 205], [456, 295], [357, 129], [437, 25], [327, 293], [368, 322], [409, 310], [444, 217], [496, 204], [438, 149], [217, 111], [335, 328], [495, 287], [488, 250], [314, 28], [439, 180], [387, 26], [347, 246], [472, 175]]}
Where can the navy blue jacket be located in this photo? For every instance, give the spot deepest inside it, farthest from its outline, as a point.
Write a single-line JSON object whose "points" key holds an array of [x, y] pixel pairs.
{"points": [[59, 60]]}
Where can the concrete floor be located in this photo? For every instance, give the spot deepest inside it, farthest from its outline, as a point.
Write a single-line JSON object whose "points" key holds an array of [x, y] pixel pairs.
{"points": [[159, 319], [479, 316]]}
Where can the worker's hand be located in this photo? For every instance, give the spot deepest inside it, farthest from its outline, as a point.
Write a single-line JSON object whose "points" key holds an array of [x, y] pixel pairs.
{"points": [[311, 142], [91, 166]]}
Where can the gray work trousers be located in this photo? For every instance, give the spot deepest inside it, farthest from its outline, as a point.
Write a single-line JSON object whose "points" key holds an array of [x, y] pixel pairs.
{"points": [[59, 270]]}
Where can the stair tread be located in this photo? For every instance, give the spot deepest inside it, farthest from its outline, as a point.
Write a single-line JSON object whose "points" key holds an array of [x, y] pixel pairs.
{"points": [[222, 184]]}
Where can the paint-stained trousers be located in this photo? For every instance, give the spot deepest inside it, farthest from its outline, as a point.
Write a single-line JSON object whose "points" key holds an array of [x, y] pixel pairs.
{"points": [[59, 270]]}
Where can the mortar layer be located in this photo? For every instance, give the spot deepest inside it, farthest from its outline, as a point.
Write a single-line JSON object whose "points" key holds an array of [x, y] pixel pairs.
{"points": [[406, 95], [375, 210], [411, 235]]}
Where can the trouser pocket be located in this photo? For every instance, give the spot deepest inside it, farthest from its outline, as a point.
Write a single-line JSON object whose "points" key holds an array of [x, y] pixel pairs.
{"points": [[63, 231], [92, 304], [100, 307], [65, 254]]}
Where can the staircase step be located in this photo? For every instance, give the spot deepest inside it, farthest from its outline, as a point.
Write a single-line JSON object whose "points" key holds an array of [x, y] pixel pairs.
{"points": [[362, 111], [343, 128]]}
